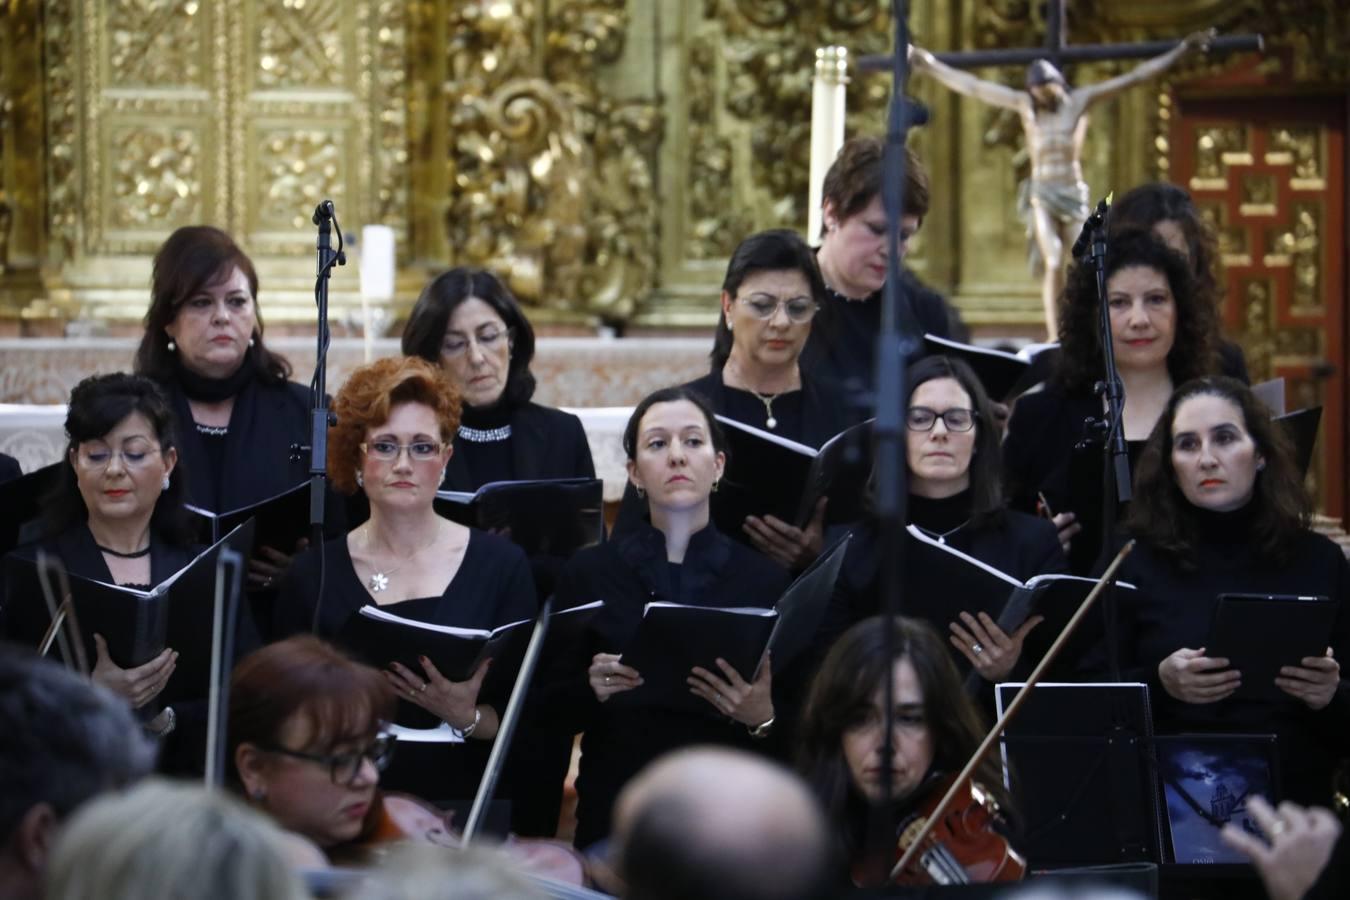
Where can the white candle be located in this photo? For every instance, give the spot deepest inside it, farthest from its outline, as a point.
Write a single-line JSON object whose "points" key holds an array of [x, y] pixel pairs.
{"points": [[827, 127], [377, 276]]}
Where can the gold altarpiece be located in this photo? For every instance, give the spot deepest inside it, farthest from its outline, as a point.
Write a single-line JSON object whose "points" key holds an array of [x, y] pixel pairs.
{"points": [[605, 154]]}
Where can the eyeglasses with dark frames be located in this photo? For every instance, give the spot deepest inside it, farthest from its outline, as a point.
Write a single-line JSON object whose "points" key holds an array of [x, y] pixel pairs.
{"points": [[921, 418], [343, 768]]}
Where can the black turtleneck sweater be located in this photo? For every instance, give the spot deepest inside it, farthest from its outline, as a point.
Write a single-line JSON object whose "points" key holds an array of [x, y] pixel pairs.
{"points": [[1174, 608], [627, 573]]}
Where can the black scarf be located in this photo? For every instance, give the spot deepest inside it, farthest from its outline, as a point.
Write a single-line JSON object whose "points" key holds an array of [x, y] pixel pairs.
{"points": [[213, 390]]}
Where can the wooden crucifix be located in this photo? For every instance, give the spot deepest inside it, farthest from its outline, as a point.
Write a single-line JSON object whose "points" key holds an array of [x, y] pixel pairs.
{"points": [[1054, 201]]}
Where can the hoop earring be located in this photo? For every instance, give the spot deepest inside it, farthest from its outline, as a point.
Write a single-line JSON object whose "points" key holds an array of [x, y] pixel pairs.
{"points": [[715, 484], [642, 494]]}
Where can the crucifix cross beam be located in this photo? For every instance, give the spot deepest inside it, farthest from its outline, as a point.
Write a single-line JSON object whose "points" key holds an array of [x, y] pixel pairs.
{"points": [[1059, 51]]}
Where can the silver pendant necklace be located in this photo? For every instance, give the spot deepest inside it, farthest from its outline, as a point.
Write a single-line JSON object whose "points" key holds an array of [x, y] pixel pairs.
{"points": [[767, 400], [379, 579], [941, 537]]}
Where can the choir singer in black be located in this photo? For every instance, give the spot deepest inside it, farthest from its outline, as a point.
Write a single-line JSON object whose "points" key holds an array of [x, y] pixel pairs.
{"points": [[1220, 508], [675, 459], [470, 324], [396, 418]]}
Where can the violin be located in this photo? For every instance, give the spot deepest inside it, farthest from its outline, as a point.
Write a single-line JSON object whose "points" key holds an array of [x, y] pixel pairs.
{"points": [[396, 817], [962, 846]]}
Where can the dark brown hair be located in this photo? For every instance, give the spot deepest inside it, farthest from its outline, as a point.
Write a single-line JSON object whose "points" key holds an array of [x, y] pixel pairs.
{"points": [[854, 178], [672, 395], [339, 699], [1160, 514], [192, 258], [1195, 343], [1143, 207], [842, 695], [366, 399], [425, 332], [98, 404]]}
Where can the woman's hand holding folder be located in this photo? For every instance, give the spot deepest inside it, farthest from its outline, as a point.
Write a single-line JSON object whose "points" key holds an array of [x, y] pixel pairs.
{"points": [[1315, 682], [139, 685], [750, 703], [1191, 677], [608, 676], [453, 702], [991, 651], [792, 548]]}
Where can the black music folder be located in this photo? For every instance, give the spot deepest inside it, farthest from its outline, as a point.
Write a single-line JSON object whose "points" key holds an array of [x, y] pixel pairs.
{"points": [[545, 517], [972, 586], [1004, 375], [381, 637], [769, 475], [1259, 633], [136, 624], [21, 503], [675, 637], [1301, 426], [281, 520]]}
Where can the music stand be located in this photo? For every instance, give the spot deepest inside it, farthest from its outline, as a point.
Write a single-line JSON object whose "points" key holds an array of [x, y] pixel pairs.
{"points": [[1077, 761]]}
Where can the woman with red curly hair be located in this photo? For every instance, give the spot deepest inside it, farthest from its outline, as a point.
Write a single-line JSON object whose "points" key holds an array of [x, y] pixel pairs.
{"points": [[396, 420]]}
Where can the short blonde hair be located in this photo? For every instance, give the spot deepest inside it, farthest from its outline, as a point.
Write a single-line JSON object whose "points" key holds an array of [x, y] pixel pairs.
{"points": [[171, 841]]}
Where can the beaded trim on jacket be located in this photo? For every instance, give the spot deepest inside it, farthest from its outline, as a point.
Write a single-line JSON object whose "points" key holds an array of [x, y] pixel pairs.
{"points": [[485, 435]]}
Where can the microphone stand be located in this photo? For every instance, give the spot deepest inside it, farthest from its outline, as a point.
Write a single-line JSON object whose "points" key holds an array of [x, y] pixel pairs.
{"points": [[1116, 487], [321, 419], [897, 341]]}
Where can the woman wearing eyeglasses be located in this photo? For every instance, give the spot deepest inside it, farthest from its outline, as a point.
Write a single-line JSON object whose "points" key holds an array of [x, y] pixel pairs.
{"points": [[770, 295], [117, 516], [955, 497], [396, 418], [468, 322]]}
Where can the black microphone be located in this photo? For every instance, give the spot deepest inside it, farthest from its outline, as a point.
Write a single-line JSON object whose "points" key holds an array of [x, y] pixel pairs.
{"points": [[323, 212], [1094, 222]]}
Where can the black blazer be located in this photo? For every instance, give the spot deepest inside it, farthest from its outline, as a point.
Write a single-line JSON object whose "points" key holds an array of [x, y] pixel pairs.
{"points": [[267, 419], [545, 443], [627, 574], [9, 467]]}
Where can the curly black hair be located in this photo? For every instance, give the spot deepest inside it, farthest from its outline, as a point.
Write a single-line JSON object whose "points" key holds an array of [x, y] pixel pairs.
{"points": [[1194, 348]]}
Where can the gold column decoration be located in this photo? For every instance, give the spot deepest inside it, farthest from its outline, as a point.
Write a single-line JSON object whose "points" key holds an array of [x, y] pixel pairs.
{"points": [[162, 113], [547, 174]]}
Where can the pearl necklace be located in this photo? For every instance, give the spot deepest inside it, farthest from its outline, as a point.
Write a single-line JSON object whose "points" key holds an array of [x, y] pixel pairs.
{"points": [[767, 400], [379, 579]]}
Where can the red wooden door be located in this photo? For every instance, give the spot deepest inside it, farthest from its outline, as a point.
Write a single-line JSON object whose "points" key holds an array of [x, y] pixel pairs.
{"points": [[1269, 174]]}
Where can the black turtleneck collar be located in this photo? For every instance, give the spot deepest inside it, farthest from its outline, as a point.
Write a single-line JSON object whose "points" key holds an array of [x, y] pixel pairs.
{"points": [[205, 389], [487, 417], [1224, 528], [940, 515]]}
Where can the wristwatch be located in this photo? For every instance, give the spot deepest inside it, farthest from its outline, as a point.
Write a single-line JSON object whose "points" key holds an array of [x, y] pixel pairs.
{"points": [[763, 729]]}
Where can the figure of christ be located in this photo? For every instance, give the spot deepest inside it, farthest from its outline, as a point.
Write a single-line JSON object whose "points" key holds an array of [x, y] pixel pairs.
{"points": [[1054, 202]]}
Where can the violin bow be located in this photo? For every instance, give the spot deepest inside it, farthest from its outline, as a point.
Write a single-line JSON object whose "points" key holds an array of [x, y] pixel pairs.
{"points": [[224, 616], [68, 638], [997, 731], [501, 744]]}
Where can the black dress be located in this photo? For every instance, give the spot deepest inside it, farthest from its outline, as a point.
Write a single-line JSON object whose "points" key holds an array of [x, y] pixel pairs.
{"points": [[810, 416], [183, 751], [1174, 608], [842, 348], [628, 573], [9, 468], [492, 587]]}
